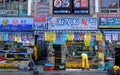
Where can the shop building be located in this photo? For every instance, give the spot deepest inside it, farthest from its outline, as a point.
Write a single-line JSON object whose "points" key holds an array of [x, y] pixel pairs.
{"points": [[16, 34]]}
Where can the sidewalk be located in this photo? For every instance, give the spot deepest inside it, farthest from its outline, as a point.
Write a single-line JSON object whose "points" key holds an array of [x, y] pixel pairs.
{"points": [[67, 72]]}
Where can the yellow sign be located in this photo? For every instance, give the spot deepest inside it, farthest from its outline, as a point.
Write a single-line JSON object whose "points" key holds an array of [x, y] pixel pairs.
{"points": [[70, 36]]}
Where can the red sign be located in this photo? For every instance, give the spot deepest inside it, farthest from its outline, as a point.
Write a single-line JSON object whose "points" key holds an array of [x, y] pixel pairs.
{"points": [[40, 18]]}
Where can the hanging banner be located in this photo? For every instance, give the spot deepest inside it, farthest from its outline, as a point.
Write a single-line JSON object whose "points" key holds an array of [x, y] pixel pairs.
{"points": [[108, 37], [70, 36], [5, 37], [60, 23], [40, 22], [10, 23], [58, 36], [76, 36], [88, 36], [52, 36], [109, 20], [47, 36], [11, 36], [41, 36], [115, 37], [17, 37], [64, 36], [98, 36]]}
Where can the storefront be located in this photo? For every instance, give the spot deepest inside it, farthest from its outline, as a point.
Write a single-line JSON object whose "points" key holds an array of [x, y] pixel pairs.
{"points": [[109, 24], [73, 36], [16, 42]]}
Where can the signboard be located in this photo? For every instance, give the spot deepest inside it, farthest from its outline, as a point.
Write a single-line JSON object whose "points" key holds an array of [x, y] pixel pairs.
{"points": [[62, 6], [60, 23], [40, 22], [109, 21], [42, 8], [81, 6], [15, 23]]}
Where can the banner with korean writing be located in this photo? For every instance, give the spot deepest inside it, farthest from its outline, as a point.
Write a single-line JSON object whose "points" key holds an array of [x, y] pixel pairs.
{"points": [[60, 23], [14, 23], [109, 21], [40, 22]]}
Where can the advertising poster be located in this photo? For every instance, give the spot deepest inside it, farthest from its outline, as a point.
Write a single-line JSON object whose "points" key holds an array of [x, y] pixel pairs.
{"points": [[15, 23], [61, 23], [62, 6], [81, 7], [40, 22], [111, 21]]}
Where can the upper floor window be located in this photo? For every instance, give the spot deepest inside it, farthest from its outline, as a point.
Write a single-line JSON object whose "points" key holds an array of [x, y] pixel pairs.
{"points": [[109, 6], [14, 7]]}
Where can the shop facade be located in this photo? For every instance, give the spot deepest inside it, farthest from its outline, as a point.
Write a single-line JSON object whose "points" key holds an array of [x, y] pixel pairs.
{"points": [[16, 42], [109, 24], [68, 37]]}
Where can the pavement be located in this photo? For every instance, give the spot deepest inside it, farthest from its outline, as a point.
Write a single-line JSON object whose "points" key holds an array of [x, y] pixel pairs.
{"points": [[67, 72]]}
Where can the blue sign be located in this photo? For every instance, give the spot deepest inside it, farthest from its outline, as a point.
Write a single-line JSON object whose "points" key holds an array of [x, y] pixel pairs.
{"points": [[109, 21], [84, 23], [10, 23]]}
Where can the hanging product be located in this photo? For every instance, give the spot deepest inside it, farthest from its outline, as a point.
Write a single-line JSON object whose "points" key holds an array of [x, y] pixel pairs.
{"points": [[87, 42]]}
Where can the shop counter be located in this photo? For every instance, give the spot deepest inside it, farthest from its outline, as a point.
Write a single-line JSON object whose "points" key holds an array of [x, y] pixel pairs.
{"points": [[75, 62]]}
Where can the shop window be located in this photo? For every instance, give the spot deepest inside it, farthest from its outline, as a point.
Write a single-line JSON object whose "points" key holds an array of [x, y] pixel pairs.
{"points": [[109, 6], [14, 7]]}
